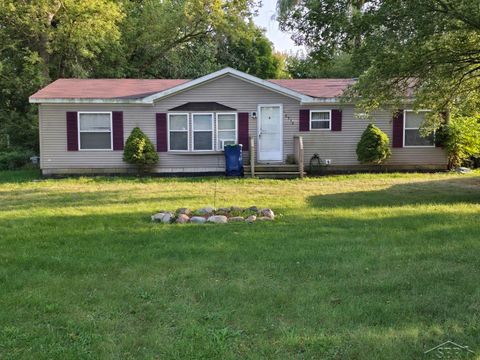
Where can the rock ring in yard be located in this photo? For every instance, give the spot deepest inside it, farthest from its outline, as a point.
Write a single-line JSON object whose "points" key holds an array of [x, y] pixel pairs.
{"points": [[209, 214]]}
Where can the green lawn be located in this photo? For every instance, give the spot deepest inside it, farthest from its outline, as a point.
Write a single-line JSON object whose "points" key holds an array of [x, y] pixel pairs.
{"points": [[355, 267]]}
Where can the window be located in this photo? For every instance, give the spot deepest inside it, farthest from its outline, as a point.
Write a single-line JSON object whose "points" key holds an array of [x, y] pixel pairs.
{"points": [[178, 132], [226, 130], [320, 119], [95, 131], [202, 132], [412, 136]]}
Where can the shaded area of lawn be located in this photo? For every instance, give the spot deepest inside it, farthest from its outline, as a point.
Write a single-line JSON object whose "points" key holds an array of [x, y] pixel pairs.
{"points": [[361, 267]]}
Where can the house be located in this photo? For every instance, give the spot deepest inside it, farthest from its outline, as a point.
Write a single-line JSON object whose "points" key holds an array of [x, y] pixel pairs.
{"points": [[84, 124]]}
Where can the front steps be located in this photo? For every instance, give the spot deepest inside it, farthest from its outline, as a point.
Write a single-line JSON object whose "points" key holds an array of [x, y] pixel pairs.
{"points": [[273, 171]]}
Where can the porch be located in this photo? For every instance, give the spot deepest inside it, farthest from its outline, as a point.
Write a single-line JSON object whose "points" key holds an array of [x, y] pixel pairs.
{"points": [[276, 170]]}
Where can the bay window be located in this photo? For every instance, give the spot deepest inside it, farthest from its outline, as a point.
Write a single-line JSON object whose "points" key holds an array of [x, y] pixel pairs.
{"points": [[226, 130], [202, 130], [178, 132]]}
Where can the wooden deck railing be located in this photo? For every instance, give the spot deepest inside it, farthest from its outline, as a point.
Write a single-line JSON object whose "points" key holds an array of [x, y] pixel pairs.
{"points": [[251, 152], [299, 153]]}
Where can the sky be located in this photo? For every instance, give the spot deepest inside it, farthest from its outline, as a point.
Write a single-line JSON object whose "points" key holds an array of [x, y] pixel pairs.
{"points": [[266, 20]]}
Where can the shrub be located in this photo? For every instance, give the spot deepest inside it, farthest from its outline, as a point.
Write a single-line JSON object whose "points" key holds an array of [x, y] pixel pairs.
{"points": [[14, 159], [140, 151], [374, 146], [460, 138]]}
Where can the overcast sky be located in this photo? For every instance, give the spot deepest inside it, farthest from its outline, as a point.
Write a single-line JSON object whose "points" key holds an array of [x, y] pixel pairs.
{"points": [[266, 20]]}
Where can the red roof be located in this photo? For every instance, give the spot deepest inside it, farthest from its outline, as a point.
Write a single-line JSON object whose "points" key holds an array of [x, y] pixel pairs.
{"points": [[104, 88], [138, 88], [322, 88]]}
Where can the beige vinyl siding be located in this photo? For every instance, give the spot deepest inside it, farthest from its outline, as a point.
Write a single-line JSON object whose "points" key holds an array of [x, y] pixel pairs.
{"points": [[230, 91], [340, 146]]}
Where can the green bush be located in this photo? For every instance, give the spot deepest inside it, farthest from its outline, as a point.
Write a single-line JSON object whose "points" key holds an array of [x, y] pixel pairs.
{"points": [[14, 159], [140, 151], [374, 146]]}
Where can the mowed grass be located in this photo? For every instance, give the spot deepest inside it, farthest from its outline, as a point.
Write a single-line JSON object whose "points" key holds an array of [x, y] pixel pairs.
{"points": [[379, 266]]}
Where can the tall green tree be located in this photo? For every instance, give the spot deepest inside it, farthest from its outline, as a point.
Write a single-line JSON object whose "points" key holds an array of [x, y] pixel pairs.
{"points": [[425, 48]]}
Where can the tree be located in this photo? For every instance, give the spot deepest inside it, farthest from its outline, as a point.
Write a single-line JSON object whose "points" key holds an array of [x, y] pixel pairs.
{"points": [[461, 138], [425, 48], [140, 151], [340, 66], [374, 146]]}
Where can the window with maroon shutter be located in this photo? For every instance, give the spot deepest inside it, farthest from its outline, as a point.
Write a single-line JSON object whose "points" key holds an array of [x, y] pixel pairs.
{"points": [[161, 122], [304, 120], [336, 120], [397, 130], [72, 131], [243, 130], [117, 125]]}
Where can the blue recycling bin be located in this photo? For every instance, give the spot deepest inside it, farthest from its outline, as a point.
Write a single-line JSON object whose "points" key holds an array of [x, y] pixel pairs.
{"points": [[233, 160]]}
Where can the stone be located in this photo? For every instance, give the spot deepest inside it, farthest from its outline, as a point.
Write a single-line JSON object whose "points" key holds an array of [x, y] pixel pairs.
{"points": [[197, 220], [236, 208], [253, 208], [236, 219], [185, 211], [463, 170], [182, 219], [264, 218], [218, 219], [158, 216], [167, 218], [251, 219], [267, 213], [222, 211], [205, 211]]}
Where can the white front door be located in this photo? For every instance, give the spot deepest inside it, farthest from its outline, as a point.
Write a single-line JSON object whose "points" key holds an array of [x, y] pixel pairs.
{"points": [[270, 129]]}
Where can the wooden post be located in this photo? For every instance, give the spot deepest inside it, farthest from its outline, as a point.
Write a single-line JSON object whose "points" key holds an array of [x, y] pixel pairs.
{"points": [[252, 155], [299, 154]]}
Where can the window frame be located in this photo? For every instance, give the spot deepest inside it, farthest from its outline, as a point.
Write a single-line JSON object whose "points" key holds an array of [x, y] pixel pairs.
{"points": [[187, 131], [193, 131], [79, 131], [329, 111], [405, 128], [217, 128]]}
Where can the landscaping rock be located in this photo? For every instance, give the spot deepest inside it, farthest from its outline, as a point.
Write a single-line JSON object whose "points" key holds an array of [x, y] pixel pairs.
{"points": [[185, 211], [182, 219], [463, 170], [167, 218], [236, 208], [205, 211], [222, 211], [236, 219], [267, 213], [251, 219], [253, 208], [158, 216], [218, 219], [197, 220], [264, 218]]}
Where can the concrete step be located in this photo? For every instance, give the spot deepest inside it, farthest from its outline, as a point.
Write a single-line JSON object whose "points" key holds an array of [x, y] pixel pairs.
{"points": [[273, 167], [275, 175]]}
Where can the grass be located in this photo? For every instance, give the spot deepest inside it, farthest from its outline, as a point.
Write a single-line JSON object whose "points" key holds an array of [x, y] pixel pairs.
{"points": [[355, 267]]}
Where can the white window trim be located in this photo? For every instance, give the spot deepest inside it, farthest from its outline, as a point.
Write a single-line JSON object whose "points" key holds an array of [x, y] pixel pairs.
{"points": [[84, 131], [217, 129], [405, 128], [187, 131], [329, 121], [193, 132]]}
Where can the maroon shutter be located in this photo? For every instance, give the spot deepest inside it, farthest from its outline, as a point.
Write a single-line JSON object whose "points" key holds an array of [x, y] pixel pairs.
{"points": [[117, 124], [304, 123], [161, 120], [243, 130], [72, 131], [336, 120], [397, 133]]}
